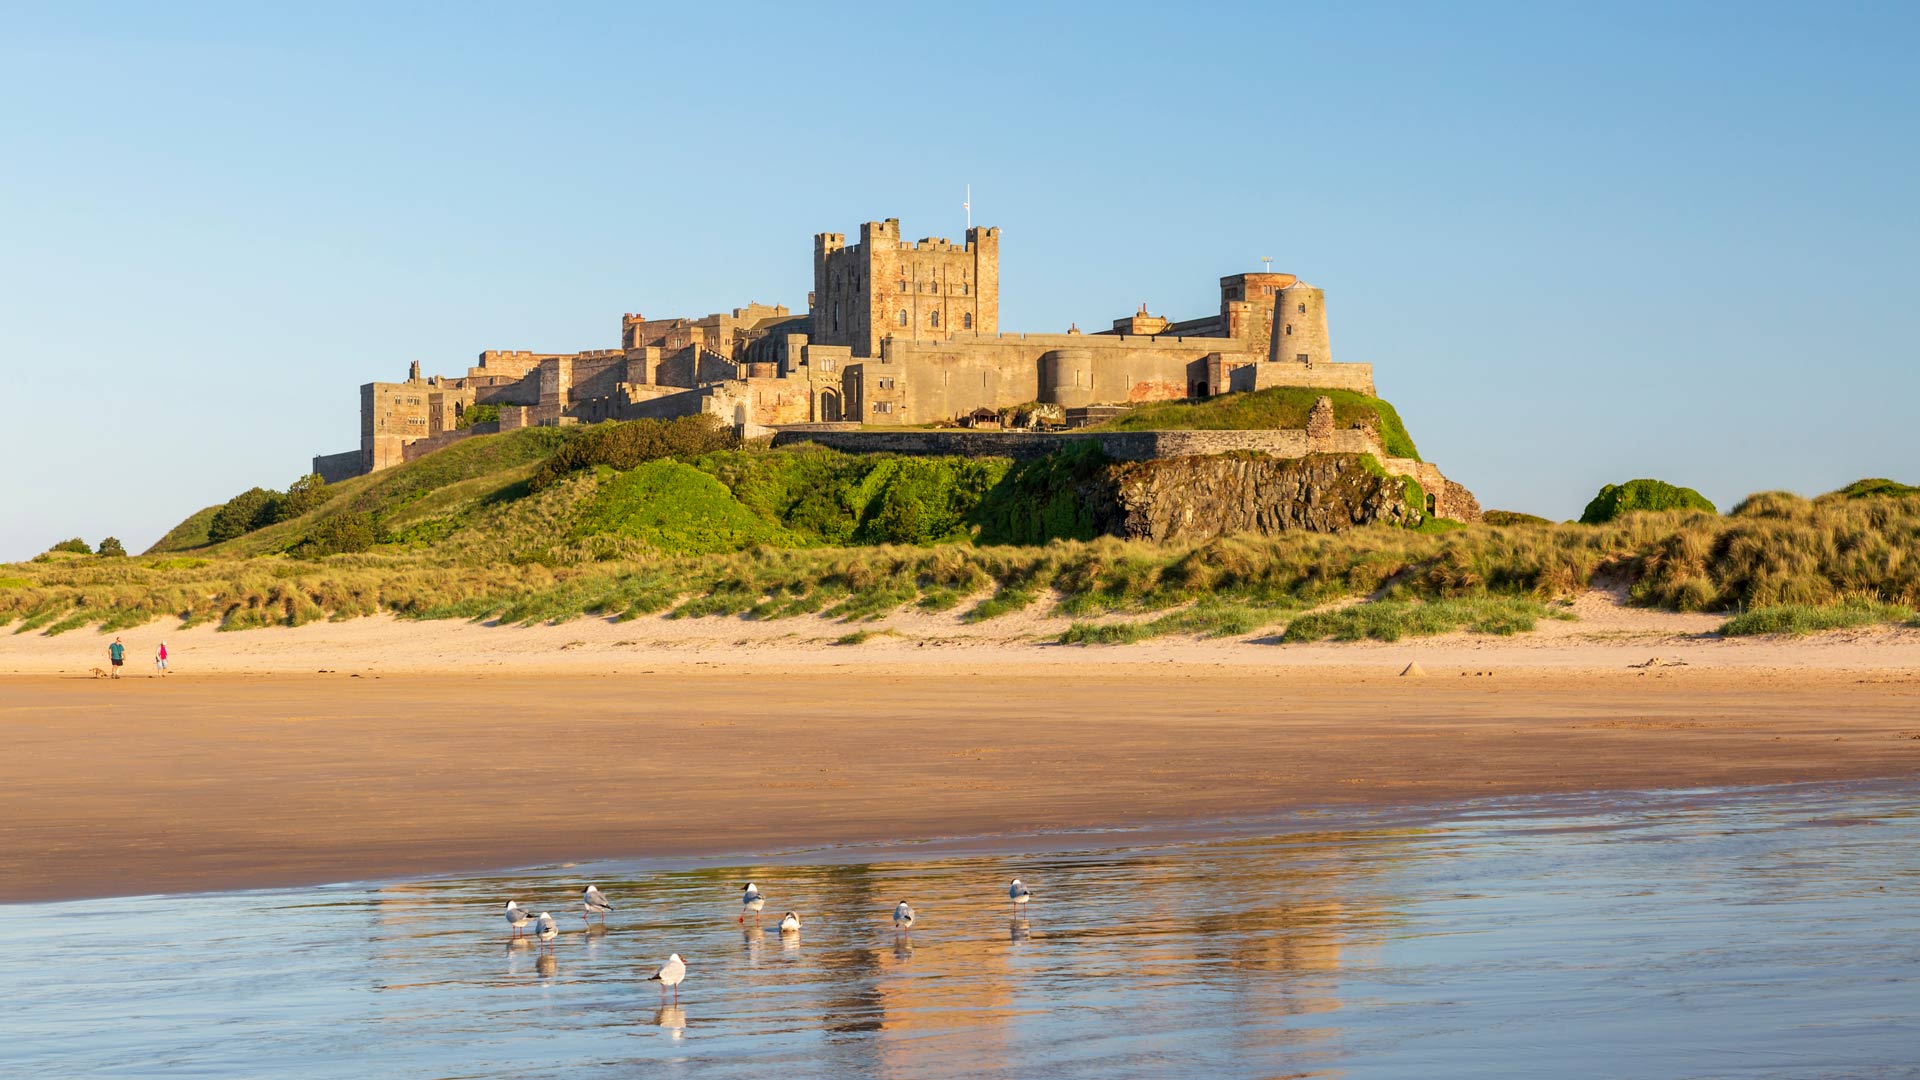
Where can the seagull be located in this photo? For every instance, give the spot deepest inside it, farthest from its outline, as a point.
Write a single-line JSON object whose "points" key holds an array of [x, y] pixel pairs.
{"points": [[671, 973], [1018, 893], [750, 900], [903, 916], [548, 929], [595, 902], [516, 918], [790, 924]]}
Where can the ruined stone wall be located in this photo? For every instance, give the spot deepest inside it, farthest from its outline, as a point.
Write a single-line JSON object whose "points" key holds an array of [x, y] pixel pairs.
{"points": [[1263, 374], [334, 468]]}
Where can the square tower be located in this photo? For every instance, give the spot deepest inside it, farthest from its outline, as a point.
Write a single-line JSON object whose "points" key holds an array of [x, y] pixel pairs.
{"points": [[883, 287]]}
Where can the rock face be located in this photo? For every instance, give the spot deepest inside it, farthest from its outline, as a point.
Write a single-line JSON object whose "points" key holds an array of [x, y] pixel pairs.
{"points": [[1196, 498]]}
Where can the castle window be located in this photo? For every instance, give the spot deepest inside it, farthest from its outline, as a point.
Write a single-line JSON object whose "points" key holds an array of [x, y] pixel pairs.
{"points": [[966, 321], [903, 284], [1303, 309], [1289, 328], [903, 316], [1303, 358], [836, 316], [883, 406], [886, 384], [933, 319]]}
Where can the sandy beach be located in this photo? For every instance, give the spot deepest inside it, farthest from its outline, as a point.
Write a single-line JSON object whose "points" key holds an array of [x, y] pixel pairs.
{"points": [[379, 747]]}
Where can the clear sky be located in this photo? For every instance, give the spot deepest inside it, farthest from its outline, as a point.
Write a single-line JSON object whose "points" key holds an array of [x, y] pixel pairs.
{"points": [[1579, 243]]}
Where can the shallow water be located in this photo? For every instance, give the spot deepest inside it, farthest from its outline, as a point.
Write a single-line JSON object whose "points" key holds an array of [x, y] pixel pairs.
{"points": [[1767, 933]]}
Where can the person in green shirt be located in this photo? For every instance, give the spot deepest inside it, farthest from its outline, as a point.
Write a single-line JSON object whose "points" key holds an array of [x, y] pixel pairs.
{"points": [[117, 653]]}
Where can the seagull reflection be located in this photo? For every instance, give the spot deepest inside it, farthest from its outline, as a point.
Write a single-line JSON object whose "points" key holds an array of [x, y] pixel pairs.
{"points": [[548, 965], [790, 941], [902, 947], [753, 938], [1018, 929], [673, 1018]]}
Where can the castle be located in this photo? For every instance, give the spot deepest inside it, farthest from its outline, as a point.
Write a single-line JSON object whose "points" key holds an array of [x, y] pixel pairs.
{"points": [[896, 334]]}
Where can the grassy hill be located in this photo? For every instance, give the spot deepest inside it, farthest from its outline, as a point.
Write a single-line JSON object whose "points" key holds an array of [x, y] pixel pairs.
{"points": [[552, 523]]}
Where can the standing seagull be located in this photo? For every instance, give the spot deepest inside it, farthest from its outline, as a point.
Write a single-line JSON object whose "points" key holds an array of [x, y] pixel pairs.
{"points": [[671, 973], [595, 902], [516, 918], [1018, 893], [790, 924], [548, 929], [902, 916], [750, 900]]}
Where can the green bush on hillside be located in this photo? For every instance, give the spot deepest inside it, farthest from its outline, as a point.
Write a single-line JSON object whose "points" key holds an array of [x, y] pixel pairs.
{"points": [[111, 548], [1046, 498], [75, 546], [339, 534], [911, 500], [1617, 499], [675, 508], [257, 508], [625, 445], [1274, 407]]}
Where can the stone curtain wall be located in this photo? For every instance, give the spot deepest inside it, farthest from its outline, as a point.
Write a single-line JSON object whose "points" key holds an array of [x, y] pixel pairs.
{"points": [[334, 468]]}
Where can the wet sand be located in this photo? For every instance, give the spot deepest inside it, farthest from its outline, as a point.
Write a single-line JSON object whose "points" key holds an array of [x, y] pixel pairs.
{"points": [[202, 782]]}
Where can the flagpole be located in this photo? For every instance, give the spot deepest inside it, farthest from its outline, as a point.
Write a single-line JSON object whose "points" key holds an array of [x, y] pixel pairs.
{"points": [[968, 206]]}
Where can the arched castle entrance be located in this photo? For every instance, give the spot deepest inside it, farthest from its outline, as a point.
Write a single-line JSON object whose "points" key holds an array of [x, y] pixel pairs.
{"points": [[828, 409]]}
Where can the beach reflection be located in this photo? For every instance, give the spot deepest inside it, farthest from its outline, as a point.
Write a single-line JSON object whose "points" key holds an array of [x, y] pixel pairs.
{"points": [[1418, 951]]}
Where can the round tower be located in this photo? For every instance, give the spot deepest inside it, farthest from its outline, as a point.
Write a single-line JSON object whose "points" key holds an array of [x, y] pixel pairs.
{"points": [[1066, 377], [1300, 326]]}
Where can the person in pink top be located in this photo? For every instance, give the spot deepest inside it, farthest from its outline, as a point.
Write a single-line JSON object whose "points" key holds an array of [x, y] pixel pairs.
{"points": [[160, 659]]}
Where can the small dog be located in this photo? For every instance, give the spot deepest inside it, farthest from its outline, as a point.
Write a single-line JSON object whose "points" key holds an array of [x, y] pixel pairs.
{"points": [[99, 673]]}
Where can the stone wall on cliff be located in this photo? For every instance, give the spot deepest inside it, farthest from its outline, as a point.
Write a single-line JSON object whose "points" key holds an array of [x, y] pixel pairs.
{"points": [[1197, 498]]}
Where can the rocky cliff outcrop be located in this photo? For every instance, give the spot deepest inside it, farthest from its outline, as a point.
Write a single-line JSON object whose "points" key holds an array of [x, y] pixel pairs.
{"points": [[1195, 498]]}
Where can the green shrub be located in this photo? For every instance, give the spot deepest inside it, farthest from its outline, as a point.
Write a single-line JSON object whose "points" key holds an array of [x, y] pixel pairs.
{"points": [[625, 445], [1046, 498], [1617, 499], [477, 414], [910, 500], [339, 534], [673, 507], [75, 546], [302, 495], [112, 548], [240, 515], [1512, 517]]}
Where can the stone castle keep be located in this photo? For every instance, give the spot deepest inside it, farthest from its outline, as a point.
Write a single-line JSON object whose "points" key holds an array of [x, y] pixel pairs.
{"points": [[897, 334]]}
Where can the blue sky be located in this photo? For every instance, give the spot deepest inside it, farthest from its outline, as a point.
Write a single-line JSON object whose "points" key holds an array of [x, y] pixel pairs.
{"points": [[1580, 243]]}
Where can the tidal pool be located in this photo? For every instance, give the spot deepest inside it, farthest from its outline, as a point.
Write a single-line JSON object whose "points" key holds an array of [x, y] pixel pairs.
{"points": [[1759, 933]]}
